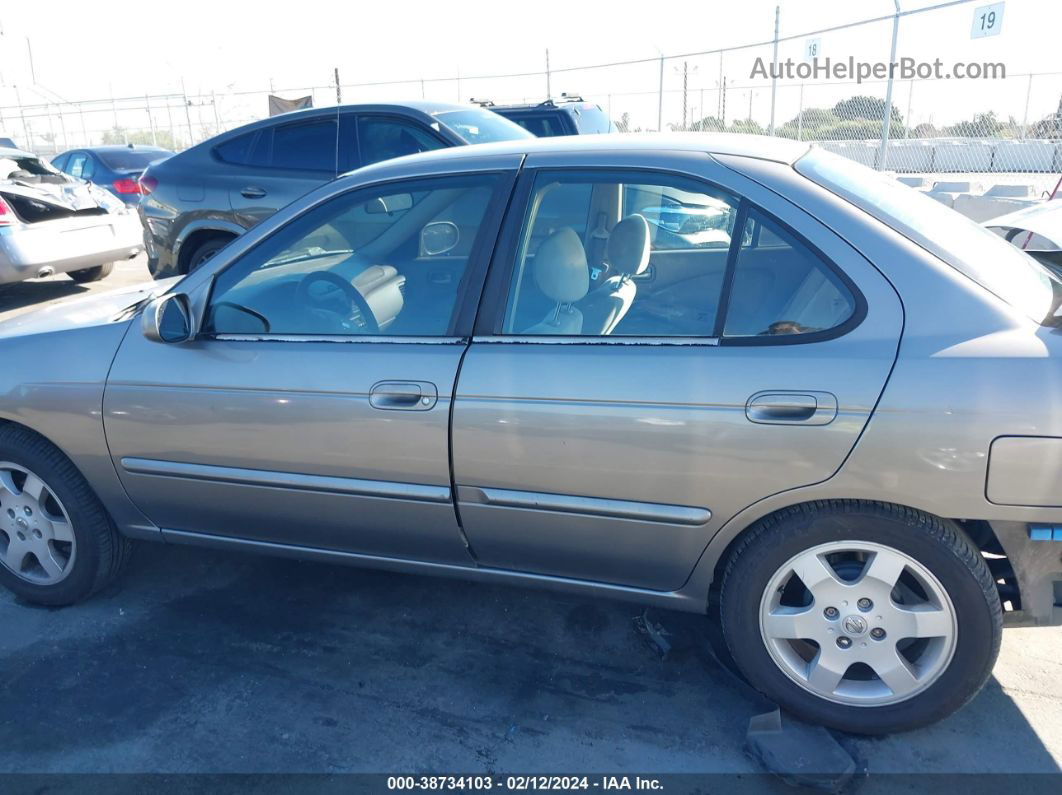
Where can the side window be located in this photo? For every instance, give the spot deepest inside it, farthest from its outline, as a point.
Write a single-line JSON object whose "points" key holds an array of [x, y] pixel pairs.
{"points": [[662, 256], [681, 219], [60, 162], [357, 264], [382, 138], [76, 167], [236, 151], [305, 146], [781, 286], [89, 168], [542, 126], [585, 265]]}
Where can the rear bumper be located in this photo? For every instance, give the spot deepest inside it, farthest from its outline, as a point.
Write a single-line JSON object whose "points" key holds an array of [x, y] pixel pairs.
{"points": [[1037, 566], [69, 244]]}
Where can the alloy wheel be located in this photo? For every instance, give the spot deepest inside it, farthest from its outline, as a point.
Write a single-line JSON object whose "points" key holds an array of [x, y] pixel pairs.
{"points": [[36, 535]]}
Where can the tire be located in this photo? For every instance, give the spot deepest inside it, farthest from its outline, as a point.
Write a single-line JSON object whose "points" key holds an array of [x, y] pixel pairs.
{"points": [[92, 274], [96, 553], [761, 606], [206, 250]]}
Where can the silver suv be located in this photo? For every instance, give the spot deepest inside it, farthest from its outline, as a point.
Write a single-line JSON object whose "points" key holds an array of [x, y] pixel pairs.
{"points": [[198, 201], [830, 419]]}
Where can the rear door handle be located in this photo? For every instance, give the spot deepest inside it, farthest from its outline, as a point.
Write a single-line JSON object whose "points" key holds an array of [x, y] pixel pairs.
{"points": [[791, 408], [253, 192], [403, 395]]}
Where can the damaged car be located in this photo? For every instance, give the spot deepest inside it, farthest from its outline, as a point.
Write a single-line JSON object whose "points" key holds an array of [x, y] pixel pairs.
{"points": [[53, 223]]}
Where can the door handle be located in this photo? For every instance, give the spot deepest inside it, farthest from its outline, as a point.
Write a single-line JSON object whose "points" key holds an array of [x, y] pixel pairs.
{"points": [[403, 395], [253, 192], [791, 408]]}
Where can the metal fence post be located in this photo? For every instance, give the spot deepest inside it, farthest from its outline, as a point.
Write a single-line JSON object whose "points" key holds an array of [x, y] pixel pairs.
{"points": [[883, 151], [1025, 119], [660, 99], [549, 89], [774, 71], [187, 113]]}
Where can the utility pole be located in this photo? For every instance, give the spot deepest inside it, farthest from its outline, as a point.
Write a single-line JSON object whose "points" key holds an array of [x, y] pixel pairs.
{"points": [[33, 72], [339, 91], [883, 151], [549, 91], [774, 71]]}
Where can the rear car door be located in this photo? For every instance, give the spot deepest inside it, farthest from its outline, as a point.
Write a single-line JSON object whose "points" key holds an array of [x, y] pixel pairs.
{"points": [[313, 407], [744, 370], [280, 164]]}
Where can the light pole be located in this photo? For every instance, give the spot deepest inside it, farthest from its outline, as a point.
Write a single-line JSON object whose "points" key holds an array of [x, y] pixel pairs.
{"points": [[685, 70]]}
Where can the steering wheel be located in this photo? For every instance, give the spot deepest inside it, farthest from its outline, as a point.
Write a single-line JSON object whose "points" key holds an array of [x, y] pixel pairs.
{"points": [[305, 297]]}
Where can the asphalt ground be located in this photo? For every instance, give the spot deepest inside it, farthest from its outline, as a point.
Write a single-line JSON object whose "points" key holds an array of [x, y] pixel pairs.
{"points": [[210, 662]]}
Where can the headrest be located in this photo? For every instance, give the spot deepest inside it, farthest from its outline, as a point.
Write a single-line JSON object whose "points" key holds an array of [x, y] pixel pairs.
{"points": [[627, 252], [561, 271]]}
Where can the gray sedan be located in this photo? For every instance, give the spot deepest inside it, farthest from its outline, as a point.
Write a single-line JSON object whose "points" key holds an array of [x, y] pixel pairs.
{"points": [[834, 426]]}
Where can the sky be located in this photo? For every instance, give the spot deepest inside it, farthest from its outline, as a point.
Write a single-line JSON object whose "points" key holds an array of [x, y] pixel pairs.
{"points": [[224, 49]]}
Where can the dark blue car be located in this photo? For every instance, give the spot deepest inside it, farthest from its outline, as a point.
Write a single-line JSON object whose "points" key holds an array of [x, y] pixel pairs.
{"points": [[116, 168]]}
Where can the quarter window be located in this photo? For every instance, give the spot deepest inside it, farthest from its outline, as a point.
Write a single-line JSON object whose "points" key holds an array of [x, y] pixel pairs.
{"points": [[781, 287], [387, 260]]}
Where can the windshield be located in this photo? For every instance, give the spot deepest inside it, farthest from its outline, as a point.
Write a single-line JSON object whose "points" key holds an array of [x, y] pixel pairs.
{"points": [[132, 159], [980, 254], [479, 126]]}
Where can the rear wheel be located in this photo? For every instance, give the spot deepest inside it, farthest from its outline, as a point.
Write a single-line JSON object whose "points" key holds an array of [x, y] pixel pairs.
{"points": [[206, 250], [57, 543], [92, 274], [865, 617]]}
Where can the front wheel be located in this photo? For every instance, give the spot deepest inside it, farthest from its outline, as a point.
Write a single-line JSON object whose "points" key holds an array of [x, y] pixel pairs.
{"points": [[57, 543], [87, 275], [865, 617]]}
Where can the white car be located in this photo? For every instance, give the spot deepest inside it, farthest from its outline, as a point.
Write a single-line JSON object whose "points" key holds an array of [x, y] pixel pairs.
{"points": [[53, 223]]}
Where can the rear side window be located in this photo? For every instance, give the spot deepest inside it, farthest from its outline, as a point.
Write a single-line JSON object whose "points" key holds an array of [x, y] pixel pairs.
{"points": [[586, 265], [542, 126], [236, 150], [306, 146]]}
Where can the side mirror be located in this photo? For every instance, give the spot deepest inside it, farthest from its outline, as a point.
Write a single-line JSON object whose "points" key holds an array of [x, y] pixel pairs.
{"points": [[439, 237], [167, 318]]}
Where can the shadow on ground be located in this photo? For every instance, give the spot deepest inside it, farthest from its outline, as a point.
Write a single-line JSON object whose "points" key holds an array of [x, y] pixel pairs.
{"points": [[25, 294], [212, 662]]}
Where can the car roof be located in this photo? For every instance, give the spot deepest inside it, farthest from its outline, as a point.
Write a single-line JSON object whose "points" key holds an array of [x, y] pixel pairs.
{"points": [[122, 148], [7, 151], [763, 147]]}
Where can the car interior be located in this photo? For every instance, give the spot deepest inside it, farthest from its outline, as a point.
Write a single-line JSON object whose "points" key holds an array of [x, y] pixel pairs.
{"points": [[391, 264], [594, 259], [608, 258]]}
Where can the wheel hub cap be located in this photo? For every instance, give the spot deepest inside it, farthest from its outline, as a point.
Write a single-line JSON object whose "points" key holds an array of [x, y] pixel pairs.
{"points": [[36, 535], [858, 623]]}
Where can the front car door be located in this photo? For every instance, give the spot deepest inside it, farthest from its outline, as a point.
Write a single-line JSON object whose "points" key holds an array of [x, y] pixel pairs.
{"points": [[312, 408], [751, 346]]}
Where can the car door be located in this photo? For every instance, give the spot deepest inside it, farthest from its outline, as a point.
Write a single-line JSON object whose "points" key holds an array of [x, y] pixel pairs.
{"points": [[283, 162], [312, 408], [615, 458]]}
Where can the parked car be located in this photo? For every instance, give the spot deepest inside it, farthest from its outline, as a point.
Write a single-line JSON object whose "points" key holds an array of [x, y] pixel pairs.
{"points": [[205, 197], [840, 434], [1036, 230], [52, 223], [569, 115], [114, 168]]}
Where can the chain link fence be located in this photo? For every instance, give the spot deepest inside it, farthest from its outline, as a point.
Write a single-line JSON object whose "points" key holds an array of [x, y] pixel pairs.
{"points": [[999, 130]]}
